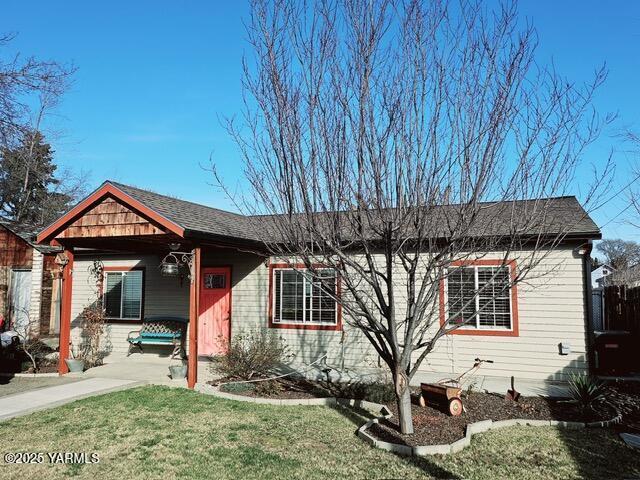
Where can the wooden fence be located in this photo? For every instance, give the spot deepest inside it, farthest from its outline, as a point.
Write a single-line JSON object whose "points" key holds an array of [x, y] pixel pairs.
{"points": [[622, 309]]}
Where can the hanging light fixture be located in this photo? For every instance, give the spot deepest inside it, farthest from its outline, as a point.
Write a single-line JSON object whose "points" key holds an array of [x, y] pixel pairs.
{"points": [[172, 263]]}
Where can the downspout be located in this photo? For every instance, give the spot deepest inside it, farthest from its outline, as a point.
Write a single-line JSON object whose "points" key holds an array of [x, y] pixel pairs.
{"points": [[585, 251]]}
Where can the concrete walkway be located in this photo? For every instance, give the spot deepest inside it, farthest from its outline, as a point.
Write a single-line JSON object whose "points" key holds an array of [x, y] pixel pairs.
{"points": [[150, 372], [24, 403]]}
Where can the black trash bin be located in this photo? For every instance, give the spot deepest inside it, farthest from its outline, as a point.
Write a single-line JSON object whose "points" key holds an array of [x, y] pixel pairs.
{"points": [[614, 353]]}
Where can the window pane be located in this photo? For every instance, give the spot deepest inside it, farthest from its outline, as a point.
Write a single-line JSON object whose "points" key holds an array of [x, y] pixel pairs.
{"points": [[322, 305], [291, 296], [461, 296], [132, 294], [299, 298], [113, 289], [493, 284]]}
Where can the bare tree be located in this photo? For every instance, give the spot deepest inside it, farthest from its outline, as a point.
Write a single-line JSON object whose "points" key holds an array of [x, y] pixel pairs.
{"points": [[27, 329], [30, 91], [387, 140], [620, 254], [634, 194], [21, 82]]}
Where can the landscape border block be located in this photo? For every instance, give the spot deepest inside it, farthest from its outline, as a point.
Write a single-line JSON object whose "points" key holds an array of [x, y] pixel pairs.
{"points": [[421, 450]]}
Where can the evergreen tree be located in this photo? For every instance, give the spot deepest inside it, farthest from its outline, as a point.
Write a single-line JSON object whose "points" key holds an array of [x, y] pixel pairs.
{"points": [[29, 189]]}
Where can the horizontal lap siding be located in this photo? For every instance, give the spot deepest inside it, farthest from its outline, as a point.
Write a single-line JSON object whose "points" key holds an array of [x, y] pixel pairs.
{"points": [[551, 310], [162, 296]]}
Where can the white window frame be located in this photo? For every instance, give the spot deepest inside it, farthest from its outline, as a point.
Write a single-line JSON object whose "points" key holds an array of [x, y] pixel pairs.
{"points": [[123, 272], [467, 326], [276, 320]]}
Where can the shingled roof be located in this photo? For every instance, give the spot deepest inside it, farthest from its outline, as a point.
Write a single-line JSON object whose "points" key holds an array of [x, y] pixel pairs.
{"points": [[552, 216], [193, 217], [562, 215], [28, 234]]}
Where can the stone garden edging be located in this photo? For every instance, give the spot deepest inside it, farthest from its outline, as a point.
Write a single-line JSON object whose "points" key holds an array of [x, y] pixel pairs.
{"points": [[423, 450], [472, 429], [30, 375], [326, 402]]}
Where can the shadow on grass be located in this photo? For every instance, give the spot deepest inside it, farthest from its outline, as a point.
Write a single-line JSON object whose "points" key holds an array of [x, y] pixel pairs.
{"points": [[359, 416], [600, 452]]}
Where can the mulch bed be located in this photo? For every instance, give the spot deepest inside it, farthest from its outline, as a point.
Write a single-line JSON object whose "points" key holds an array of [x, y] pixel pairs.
{"points": [[625, 397], [282, 389], [8, 366], [433, 427]]}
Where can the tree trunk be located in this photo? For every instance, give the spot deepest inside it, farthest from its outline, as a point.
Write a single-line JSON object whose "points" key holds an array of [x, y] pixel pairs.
{"points": [[403, 401]]}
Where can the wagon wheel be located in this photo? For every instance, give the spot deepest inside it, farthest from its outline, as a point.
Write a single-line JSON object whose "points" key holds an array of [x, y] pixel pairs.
{"points": [[422, 401], [455, 407]]}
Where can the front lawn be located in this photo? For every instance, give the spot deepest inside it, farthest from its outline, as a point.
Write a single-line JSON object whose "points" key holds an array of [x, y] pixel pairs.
{"points": [[158, 432]]}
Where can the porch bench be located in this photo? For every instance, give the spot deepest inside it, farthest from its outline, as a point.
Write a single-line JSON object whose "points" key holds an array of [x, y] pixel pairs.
{"points": [[160, 330]]}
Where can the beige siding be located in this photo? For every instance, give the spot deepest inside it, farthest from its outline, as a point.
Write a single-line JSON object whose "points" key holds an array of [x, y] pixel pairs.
{"points": [[162, 296], [36, 287], [551, 310]]}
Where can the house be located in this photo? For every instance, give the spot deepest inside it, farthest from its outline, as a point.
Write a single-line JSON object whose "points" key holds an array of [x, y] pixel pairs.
{"points": [[599, 274], [28, 288], [231, 285]]}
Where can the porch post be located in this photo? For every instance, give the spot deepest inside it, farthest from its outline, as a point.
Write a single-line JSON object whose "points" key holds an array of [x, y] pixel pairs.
{"points": [[194, 309], [65, 312]]}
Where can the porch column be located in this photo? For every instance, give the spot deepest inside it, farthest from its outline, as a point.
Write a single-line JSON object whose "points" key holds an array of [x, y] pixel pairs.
{"points": [[65, 312], [194, 309]]}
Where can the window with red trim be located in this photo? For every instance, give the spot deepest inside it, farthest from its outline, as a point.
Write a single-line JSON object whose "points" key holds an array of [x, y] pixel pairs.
{"points": [[123, 294], [300, 298], [479, 297]]}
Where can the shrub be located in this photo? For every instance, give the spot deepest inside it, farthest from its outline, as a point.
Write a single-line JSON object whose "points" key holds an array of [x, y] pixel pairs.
{"points": [[92, 320], [238, 387], [251, 354], [586, 390], [373, 391], [268, 388]]}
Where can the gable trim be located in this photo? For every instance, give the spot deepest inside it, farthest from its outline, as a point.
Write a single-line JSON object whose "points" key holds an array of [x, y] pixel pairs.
{"points": [[92, 200]]}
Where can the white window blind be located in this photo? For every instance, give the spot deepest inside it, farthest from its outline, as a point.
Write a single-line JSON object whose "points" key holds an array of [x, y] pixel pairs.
{"points": [[123, 295], [299, 298], [479, 297]]}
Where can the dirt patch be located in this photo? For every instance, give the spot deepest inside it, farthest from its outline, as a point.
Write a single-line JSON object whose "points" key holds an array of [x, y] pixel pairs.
{"points": [[625, 397], [301, 388], [433, 427], [284, 389]]}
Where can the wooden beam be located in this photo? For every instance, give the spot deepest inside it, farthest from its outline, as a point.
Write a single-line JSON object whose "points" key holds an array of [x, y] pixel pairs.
{"points": [[65, 312], [194, 311]]}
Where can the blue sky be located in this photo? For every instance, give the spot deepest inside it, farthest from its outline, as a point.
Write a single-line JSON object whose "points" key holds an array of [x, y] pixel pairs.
{"points": [[154, 77]]}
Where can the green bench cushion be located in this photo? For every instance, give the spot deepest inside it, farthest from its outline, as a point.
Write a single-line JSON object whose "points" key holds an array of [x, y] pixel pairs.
{"points": [[160, 335], [159, 340]]}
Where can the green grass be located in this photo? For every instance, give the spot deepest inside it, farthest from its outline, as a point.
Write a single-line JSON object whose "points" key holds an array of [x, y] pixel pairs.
{"points": [[157, 432]]}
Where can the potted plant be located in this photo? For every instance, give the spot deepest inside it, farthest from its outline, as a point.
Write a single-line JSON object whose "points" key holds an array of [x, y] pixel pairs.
{"points": [[178, 372], [76, 363]]}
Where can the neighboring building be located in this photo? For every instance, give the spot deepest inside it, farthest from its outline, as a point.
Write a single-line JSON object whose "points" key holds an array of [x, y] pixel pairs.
{"points": [[27, 285], [238, 288], [599, 274]]}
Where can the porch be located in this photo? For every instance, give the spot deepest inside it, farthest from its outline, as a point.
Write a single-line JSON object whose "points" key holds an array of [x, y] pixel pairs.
{"points": [[152, 263], [142, 369]]}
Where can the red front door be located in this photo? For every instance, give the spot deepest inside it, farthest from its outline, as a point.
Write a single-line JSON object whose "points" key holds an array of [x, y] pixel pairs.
{"points": [[214, 319]]}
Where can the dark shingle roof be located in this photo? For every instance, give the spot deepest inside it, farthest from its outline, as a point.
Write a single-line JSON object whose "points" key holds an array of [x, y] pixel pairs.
{"points": [[192, 216], [559, 215], [28, 234]]}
